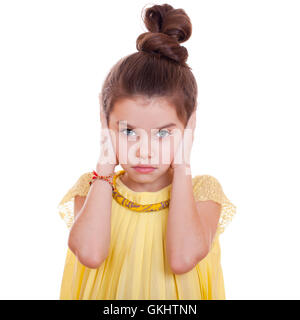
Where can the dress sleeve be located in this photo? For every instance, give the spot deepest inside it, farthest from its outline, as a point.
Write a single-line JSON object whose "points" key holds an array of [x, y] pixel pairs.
{"points": [[66, 205], [207, 187]]}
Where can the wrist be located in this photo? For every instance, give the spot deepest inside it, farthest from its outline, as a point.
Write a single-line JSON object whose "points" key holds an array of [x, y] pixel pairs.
{"points": [[105, 169], [183, 168], [180, 166]]}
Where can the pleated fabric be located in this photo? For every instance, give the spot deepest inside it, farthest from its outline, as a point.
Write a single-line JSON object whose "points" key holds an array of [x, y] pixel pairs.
{"points": [[136, 267]]}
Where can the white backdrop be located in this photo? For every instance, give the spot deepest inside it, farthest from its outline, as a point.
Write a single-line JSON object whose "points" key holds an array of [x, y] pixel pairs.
{"points": [[245, 56]]}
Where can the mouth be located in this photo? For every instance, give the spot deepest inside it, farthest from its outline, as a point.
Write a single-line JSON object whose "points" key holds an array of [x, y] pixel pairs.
{"points": [[144, 166], [143, 169]]}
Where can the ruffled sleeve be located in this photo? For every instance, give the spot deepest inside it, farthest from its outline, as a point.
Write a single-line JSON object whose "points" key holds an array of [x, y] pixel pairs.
{"points": [[66, 205], [207, 187]]}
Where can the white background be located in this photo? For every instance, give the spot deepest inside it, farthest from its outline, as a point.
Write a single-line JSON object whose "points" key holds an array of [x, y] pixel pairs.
{"points": [[245, 56]]}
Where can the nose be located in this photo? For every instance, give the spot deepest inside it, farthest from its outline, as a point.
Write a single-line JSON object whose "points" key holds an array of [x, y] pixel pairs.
{"points": [[146, 146]]}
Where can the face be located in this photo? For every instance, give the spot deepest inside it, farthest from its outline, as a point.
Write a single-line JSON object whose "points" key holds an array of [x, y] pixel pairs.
{"points": [[147, 132]]}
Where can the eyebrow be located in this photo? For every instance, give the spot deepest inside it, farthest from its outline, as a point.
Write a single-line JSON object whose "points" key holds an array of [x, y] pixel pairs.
{"points": [[133, 127]]}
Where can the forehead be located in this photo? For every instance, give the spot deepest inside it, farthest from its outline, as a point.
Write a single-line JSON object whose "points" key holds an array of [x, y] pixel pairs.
{"points": [[145, 113]]}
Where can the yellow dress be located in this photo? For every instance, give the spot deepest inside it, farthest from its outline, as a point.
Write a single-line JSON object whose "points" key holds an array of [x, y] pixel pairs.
{"points": [[136, 267]]}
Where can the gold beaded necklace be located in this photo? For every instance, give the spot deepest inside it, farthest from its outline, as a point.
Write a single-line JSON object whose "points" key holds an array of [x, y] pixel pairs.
{"points": [[133, 205]]}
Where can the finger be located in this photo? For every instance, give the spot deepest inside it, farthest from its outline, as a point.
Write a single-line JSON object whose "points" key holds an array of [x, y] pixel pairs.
{"points": [[103, 118], [191, 120], [191, 123], [194, 121]]}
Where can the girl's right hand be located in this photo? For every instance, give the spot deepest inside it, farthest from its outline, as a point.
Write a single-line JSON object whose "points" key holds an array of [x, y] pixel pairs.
{"points": [[106, 142]]}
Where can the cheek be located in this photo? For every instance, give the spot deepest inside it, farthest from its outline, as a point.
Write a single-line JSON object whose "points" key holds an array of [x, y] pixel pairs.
{"points": [[122, 148], [174, 142], [167, 148], [127, 147], [163, 150]]}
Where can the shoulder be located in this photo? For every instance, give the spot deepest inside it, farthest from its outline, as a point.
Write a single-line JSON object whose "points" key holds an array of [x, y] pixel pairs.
{"points": [[205, 183], [84, 180], [80, 187], [201, 178], [207, 187]]}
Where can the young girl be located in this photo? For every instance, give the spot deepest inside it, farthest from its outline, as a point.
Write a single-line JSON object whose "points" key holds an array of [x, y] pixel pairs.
{"points": [[149, 231]]}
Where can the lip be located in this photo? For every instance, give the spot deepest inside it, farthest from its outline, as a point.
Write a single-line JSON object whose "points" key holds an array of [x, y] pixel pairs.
{"points": [[144, 169], [143, 166]]}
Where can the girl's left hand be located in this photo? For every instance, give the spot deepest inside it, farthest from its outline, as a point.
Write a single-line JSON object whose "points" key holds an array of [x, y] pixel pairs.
{"points": [[185, 146]]}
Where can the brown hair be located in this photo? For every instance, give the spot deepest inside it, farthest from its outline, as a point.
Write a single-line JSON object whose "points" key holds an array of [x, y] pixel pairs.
{"points": [[159, 68]]}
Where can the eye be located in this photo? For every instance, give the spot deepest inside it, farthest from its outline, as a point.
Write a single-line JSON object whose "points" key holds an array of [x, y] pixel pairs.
{"points": [[164, 135], [161, 133], [126, 131]]}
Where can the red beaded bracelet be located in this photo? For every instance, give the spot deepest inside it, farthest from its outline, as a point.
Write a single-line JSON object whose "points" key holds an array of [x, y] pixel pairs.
{"points": [[108, 178]]}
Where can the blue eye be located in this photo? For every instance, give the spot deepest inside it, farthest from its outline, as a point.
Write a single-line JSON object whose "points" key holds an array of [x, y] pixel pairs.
{"points": [[127, 130], [160, 136], [167, 131]]}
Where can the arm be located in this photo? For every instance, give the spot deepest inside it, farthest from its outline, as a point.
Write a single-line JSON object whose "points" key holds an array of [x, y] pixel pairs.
{"points": [[78, 204], [191, 225], [89, 237]]}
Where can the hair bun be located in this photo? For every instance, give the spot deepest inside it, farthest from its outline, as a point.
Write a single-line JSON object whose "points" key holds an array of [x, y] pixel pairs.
{"points": [[168, 27]]}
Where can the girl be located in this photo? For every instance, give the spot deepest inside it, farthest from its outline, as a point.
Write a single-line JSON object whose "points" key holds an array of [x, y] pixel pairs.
{"points": [[149, 231]]}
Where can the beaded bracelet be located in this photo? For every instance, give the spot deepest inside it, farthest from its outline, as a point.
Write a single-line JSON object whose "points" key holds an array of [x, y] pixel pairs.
{"points": [[108, 178]]}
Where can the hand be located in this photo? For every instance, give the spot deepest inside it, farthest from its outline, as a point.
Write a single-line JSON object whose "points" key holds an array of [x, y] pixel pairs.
{"points": [[185, 146], [107, 144]]}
